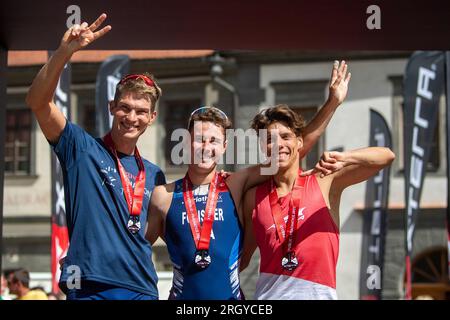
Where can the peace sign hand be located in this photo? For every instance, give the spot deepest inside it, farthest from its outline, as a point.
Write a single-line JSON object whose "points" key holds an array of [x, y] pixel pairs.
{"points": [[329, 163], [79, 36]]}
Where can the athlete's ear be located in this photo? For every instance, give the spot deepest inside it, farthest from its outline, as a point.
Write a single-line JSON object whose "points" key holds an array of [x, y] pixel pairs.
{"points": [[152, 117], [299, 142], [112, 105]]}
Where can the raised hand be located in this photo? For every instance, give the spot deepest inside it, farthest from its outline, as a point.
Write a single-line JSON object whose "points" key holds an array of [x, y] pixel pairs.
{"points": [[330, 162], [79, 36], [339, 82]]}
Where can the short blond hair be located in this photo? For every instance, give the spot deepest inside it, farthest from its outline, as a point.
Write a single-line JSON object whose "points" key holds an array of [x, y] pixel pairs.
{"points": [[140, 86]]}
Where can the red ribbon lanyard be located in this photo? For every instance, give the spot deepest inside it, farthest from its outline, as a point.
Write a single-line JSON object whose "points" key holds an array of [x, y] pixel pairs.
{"points": [[133, 197], [291, 224], [201, 234]]}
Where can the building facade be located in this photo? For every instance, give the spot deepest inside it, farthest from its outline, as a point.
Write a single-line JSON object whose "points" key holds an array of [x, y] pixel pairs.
{"points": [[299, 79]]}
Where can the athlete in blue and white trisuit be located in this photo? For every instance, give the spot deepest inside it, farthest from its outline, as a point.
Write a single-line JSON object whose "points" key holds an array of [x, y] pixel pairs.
{"points": [[168, 216], [221, 279]]}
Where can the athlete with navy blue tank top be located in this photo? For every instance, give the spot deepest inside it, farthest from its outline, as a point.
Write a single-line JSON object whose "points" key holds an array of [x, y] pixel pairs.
{"points": [[200, 216], [107, 184]]}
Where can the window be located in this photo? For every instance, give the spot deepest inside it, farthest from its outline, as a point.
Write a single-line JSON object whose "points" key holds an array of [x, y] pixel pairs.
{"points": [[86, 118], [430, 275], [18, 142], [177, 116]]}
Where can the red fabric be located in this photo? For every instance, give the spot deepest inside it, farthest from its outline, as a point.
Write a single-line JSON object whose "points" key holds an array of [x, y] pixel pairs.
{"points": [[316, 240], [408, 292], [134, 197], [60, 245], [201, 232]]}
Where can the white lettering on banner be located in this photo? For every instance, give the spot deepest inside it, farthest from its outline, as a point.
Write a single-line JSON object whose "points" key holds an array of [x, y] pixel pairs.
{"points": [[418, 152], [415, 147], [423, 83], [376, 222], [415, 171], [421, 122], [375, 248], [60, 206], [374, 279], [377, 203]]}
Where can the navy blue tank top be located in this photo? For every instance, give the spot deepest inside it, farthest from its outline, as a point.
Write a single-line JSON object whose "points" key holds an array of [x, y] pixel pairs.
{"points": [[220, 280]]}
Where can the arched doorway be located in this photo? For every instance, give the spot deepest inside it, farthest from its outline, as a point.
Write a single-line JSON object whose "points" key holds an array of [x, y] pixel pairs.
{"points": [[430, 275]]}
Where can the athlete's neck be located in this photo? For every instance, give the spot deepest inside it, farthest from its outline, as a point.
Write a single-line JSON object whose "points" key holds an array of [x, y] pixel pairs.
{"points": [[198, 178], [285, 179], [122, 144]]}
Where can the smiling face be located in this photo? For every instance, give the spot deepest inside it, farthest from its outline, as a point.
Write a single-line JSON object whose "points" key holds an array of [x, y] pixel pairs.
{"points": [[289, 145], [132, 115], [208, 144]]}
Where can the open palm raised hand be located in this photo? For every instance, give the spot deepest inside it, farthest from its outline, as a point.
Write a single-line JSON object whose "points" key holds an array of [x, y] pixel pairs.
{"points": [[79, 36], [339, 82]]}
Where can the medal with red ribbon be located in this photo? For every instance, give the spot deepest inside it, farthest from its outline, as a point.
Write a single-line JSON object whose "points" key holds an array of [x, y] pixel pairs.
{"points": [[134, 197], [286, 231], [201, 233]]}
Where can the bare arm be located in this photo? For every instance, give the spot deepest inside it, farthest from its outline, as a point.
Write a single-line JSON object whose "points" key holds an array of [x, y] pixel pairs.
{"points": [[247, 178], [40, 95], [338, 89], [159, 205], [249, 238], [359, 165]]}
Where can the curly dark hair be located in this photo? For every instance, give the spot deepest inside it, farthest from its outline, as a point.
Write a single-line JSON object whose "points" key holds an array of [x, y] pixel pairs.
{"points": [[280, 113]]}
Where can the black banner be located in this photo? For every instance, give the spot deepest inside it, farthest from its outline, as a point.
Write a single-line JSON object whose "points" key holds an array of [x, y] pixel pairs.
{"points": [[60, 237], [375, 216], [423, 85], [447, 96], [109, 74]]}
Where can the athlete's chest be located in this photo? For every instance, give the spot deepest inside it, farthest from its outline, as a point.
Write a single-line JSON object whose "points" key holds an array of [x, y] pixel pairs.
{"points": [[103, 171]]}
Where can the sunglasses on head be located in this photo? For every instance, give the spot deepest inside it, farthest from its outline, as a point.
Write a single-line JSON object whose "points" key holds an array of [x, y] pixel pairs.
{"points": [[203, 110], [146, 79]]}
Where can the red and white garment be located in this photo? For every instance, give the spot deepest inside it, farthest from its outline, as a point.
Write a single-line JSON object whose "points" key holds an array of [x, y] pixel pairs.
{"points": [[316, 245]]}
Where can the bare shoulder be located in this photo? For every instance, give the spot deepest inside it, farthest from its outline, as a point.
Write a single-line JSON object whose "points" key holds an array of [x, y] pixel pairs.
{"points": [[166, 188], [235, 186], [162, 195], [232, 181]]}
